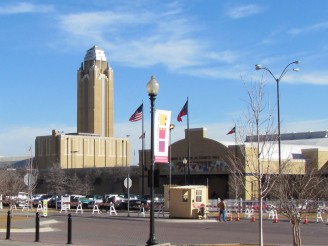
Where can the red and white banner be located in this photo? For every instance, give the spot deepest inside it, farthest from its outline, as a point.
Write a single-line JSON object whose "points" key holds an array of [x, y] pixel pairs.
{"points": [[161, 135]]}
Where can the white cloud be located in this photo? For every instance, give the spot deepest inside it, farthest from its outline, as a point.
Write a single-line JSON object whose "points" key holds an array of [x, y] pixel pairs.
{"points": [[23, 8], [244, 11], [226, 56], [309, 78], [312, 28], [137, 38], [174, 54], [142, 38], [236, 73]]}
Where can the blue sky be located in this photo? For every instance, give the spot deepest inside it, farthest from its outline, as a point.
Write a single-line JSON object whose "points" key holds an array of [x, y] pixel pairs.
{"points": [[202, 50]]}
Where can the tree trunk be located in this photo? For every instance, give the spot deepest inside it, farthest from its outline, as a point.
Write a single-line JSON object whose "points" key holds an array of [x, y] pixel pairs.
{"points": [[260, 222], [296, 232]]}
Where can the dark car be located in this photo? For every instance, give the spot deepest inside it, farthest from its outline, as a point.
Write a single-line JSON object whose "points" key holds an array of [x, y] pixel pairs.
{"points": [[120, 201], [41, 199], [52, 202], [145, 200], [89, 200], [142, 200]]}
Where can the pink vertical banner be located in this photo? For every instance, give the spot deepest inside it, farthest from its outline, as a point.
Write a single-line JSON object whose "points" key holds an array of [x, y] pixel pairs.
{"points": [[161, 135]]}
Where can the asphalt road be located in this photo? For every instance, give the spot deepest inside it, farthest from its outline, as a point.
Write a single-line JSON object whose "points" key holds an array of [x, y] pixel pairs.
{"points": [[121, 229]]}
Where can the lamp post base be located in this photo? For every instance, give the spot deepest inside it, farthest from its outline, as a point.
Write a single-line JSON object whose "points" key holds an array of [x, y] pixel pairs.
{"points": [[152, 241]]}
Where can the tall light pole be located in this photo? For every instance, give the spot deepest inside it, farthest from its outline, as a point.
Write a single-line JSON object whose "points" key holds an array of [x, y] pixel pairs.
{"points": [[170, 175], [277, 79], [184, 161], [128, 178], [152, 89]]}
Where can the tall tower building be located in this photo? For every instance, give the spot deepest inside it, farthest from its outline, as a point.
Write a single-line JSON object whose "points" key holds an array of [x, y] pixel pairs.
{"points": [[93, 145], [95, 94]]}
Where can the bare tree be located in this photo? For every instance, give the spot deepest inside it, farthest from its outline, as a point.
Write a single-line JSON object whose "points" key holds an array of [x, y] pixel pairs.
{"points": [[297, 195], [75, 185], [87, 184], [117, 175], [251, 161], [57, 180], [31, 176], [236, 178], [11, 182]]}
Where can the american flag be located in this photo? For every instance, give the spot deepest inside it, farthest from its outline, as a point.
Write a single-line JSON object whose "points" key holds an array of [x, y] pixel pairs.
{"points": [[137, 115], [183, 112], [233, 130]]}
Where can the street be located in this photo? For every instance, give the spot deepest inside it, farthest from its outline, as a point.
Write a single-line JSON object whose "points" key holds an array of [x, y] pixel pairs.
{"points": [[103, 229]]}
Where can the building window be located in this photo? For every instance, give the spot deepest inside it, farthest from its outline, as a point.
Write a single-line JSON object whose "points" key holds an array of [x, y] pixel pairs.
{"points": [[185, 195], [199, 196]]}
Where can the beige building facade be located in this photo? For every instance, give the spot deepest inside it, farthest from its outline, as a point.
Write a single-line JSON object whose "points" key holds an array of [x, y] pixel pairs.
{"points": [[93, 146], [95, 94], [210, 163], [81, 151]]}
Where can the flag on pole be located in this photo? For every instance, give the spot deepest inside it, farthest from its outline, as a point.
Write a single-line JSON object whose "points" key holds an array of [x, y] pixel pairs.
{"points": [[183, 112], [233, 130], [142, 135], [137, 115]]}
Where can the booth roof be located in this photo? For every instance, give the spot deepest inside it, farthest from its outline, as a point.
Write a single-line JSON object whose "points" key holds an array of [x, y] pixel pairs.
{"points": [[188, 187]]}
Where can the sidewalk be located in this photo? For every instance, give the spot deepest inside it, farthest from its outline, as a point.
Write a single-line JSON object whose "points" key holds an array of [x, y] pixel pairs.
{"points": [[105, 229]]}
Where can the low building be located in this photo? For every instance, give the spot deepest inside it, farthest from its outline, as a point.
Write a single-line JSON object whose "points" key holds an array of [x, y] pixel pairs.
{"points": [[210, 161], [81, 150]]}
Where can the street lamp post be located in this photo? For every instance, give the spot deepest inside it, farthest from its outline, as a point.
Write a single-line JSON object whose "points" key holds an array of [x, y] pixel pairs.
{"points": [[259, 67], [184, 161], [74, 161], [128, 178], [170, 175], [152, 89]]}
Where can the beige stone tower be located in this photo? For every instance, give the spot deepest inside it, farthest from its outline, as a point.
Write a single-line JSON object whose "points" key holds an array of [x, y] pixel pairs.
{"points": [[95, 94]]}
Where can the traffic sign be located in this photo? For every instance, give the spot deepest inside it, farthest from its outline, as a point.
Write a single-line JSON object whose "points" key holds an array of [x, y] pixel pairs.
{"points": [[29, 179], [126, 183]]}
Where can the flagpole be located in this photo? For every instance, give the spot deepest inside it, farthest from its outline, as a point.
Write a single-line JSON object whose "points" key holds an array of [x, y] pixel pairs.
{"points": [[143, 154], [235, 143], [188, 139]]}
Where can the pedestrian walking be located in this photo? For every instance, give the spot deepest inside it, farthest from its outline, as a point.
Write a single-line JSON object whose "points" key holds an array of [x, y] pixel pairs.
{"points": [[222, 207]]}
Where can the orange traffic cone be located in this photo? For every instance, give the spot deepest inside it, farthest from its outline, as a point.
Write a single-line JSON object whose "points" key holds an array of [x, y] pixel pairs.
{"points": [[275, 220], [238, 217], [230, 217], [253, 218], [306, 220]]}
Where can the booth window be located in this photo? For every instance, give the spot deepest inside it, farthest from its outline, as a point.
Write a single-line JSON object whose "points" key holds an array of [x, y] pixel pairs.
{"points": [[198, 195], [185, 195]]}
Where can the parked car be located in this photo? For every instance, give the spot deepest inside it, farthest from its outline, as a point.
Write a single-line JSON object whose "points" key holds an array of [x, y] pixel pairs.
{"points": [[42, 198], [37, 196], [73, 199], [142, 200], [159, 198], [145, 200], [22, 198], [52, 201], [120, 201], [89, 200]]}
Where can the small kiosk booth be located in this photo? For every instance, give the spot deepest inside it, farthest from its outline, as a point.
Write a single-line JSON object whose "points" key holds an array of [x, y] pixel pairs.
{"points": [[185, 201]]}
